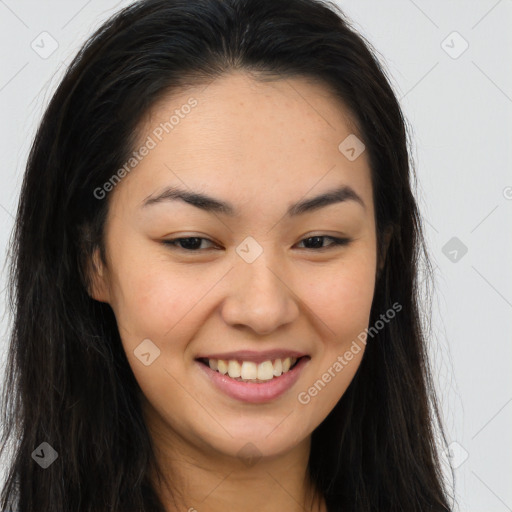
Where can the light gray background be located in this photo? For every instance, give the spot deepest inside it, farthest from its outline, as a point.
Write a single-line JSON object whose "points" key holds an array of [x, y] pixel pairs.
{"points": [[460, 109]]}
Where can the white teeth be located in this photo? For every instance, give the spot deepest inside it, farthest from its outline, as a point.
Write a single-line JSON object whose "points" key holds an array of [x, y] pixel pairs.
{"points": [[222, 366], [250, 371], [277, 368], [265, 370], [234, 369]]}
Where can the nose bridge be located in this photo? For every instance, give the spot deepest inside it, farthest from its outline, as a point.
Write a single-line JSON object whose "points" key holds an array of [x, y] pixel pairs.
{"points": [[257, 296], [260, 276]]}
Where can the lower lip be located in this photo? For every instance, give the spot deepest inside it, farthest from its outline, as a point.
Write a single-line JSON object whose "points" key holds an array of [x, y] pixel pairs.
{"points": [[254, 392]]}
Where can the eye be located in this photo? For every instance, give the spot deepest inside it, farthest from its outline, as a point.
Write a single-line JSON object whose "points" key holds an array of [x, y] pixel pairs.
{"points": [[190, 243], [317, 241], [193, 243]]}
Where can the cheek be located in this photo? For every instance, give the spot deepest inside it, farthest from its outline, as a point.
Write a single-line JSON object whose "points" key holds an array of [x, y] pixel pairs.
{"points": [[344, 307], [342, 296], [152, 297], [155, 302]]}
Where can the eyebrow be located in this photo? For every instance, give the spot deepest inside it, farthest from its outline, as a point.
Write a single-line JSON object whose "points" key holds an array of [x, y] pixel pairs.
{"points": [[211, 204]]}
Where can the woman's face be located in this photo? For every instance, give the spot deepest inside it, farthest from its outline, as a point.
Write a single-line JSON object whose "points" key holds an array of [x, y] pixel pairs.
{"points": [[250, 285]]}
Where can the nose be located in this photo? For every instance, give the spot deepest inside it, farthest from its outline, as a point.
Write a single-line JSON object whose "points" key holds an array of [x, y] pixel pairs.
{"points": [[259, 297]]}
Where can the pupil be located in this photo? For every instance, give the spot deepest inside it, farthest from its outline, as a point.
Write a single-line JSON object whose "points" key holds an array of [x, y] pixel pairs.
{"points": [[187, 245], [317, 239]]}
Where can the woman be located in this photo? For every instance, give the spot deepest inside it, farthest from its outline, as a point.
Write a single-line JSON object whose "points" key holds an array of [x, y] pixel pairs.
{"points": [[214, 275]]}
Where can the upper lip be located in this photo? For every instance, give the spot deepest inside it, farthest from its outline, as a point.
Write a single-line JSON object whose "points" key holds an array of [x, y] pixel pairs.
{"points": [[254, 356]]}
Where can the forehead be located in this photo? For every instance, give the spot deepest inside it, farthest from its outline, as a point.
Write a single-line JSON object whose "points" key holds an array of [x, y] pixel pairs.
{"points": [[244, 136], [246, 109]]}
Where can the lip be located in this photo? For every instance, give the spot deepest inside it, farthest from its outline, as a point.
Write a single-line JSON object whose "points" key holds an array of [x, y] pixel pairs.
{"points": [[254, 356], [254, 392]]}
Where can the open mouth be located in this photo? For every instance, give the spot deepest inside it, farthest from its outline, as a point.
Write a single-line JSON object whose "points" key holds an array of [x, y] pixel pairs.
{"points": [[249, 371]]}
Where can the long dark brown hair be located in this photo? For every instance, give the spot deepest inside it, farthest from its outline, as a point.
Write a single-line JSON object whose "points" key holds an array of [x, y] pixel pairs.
{"points": [[68, 381]]}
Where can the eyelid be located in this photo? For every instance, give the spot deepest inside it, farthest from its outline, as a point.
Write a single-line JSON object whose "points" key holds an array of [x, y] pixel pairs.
{"points": [[336, 241], [173, 243]]}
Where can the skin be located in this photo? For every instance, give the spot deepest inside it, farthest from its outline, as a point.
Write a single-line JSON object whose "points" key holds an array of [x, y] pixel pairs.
{"points": [[262, 147]]}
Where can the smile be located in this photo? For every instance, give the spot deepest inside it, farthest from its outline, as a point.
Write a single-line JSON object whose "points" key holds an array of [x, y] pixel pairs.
{"points": [[249, 371], [253, 382]]}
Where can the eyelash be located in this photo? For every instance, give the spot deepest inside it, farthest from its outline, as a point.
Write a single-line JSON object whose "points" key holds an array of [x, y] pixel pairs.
{"points": [[336, 242]]}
